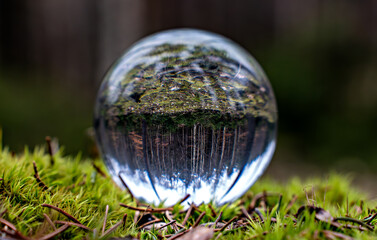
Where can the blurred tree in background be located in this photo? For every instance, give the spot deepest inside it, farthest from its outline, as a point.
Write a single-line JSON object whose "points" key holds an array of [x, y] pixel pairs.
{"points": [[321, 57]]}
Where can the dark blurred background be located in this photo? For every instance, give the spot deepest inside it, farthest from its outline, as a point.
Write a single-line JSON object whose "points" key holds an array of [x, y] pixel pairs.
{"points": [[320, 56]]}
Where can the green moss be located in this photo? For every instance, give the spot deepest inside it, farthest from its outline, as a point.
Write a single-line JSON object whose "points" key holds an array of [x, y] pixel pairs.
{"points": [[77, 188], [167, 48], [209, 79]]}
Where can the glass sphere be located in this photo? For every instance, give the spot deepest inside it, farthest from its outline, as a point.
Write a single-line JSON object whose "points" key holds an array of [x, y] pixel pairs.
{"points": [[186, 112]]}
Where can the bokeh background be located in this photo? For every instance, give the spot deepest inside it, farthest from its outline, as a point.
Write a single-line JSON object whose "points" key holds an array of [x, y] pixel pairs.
{"points": [[320, 56]]}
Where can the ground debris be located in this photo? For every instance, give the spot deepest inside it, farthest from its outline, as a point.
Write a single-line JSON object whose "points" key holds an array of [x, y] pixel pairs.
{"points": [[325, 216], [52, 148], [54, 233], [124, 238], [99, 170], [39, 180], [335, 235], [198, 233], [370, 219], [320, 213], [62, 212], [146, 209]]}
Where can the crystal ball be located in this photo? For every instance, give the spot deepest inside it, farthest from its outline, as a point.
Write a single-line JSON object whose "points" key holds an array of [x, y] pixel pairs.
{"points": [[186, 112]]}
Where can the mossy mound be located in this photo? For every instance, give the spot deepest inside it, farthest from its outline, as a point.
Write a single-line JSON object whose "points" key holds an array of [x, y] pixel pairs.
{"points": [[273, 210]]}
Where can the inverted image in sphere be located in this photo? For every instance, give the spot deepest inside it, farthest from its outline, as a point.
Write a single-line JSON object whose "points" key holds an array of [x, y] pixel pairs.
{"points": [[186, 112]]}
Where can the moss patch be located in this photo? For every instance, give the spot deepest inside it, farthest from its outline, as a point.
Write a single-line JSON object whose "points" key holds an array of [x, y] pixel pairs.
{"points": [[273, 211]]}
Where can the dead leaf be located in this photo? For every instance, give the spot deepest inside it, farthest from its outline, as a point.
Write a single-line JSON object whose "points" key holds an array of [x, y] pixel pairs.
{"points": [[198, 233], [152, 226], [323, 215], [334, 235], [320, 214]]}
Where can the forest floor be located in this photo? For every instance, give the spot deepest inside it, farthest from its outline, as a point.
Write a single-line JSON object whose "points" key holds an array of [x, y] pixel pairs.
{"points": [[45, 196]]}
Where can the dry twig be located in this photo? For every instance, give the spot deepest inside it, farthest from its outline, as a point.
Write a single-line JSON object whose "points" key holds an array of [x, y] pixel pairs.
{"points": [[291, 203], [3, 212], [74, 224], [182, 200], [49, 148], [213, 212], [199, 219], [188, 214], [128, 189], [149, 210], [10, 225], [105, 219], [258, 197], [54, 233], [149, 223], [36, 175], [371, 219], [170, 218], [354, 221], [16, 234], [332, 235], [62, 212], [218, 218], [49, 221], [244, 212], [177, 235], [227, 223], [99, 170], [113, 228], [168, 224]]}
